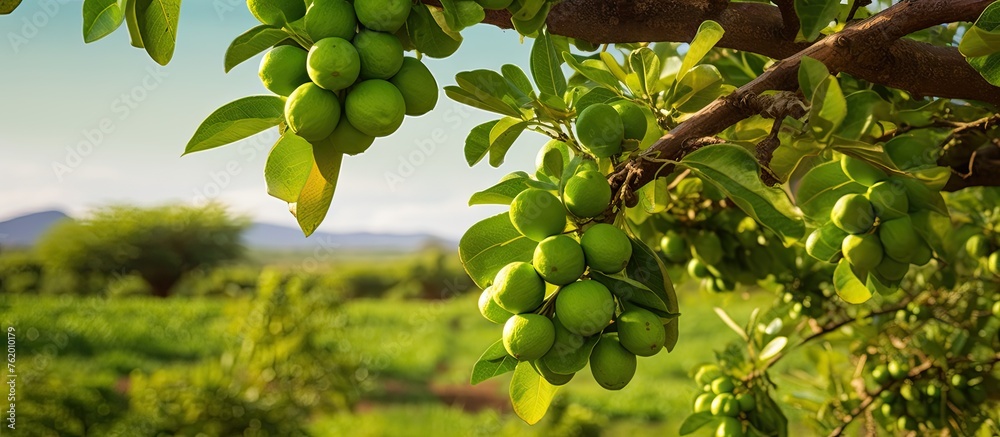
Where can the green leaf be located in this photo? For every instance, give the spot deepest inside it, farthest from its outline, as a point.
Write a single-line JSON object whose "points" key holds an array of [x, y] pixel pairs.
{"points": [[530, 394], [428, 36], [490, 245], [237, 120], [709, 34], [545, 66], [821, 187], [696, 421], [494, 362], [100, 18], [701, 85], [862, 106], [736, 173], [477, 144], [791, 153], [848, 286], [8, 6], [462, 96], [630, 290], [594, 96], [134, 35], [314, 200], [516, 77], [812, 74], [983, 38], [502, 136], [328, 160], [646, 65], [552, 163], [599, 76], [157, 21], [252, 42], [647, 268], [288, 166], [773, 348], [653, 197], [828, 110], [503, 192], [815, 15]]}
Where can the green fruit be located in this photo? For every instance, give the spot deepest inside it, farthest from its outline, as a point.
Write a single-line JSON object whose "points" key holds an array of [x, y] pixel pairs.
{"points": [[537, 214], [333, 64], [553, 378], [723, 384], [489, 308], [312, 112], [698, 270], [825, 243], [898, 370], [347, 139], [587, 194], [585, 46], [283, 69], [517, 288], [899, 238], [958, 381], [563, 149], [527, 337], [568, 354], [600, 130], [375, 107], [494, 4], [331, 18], [908, 392], [853, 213], [606, 248], [880, 374], [611, 364], [382, 15], [707, 247], [707, 373], [703, 402], [641, 332], [559, 260], [863, 251], [993, 263], [277, 12], [861, 171], [906, 423], [585, 307], [922, 254], [729, 427], [381, 54], [746, 401], [633, 119], [977, 246], [673, 247], [725, 405], [889, 200], [417, 85], [891, 269]]}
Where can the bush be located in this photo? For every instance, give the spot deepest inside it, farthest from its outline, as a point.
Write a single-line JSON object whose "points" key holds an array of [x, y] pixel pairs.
{"points": [[20, 273]]}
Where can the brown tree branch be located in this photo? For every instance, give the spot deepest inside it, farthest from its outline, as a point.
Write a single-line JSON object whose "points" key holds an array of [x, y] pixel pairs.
{"points": [[789, 19]]}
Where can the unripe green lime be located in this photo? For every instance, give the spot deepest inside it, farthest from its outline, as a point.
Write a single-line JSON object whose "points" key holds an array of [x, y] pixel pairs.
{"points": [[897, 369], [906, 423], [611, 364], [277, 12], [889, 200], [494, 5], [585, 307], [729, 427], [381, 54], [862, 172], [723, 384], [417, 85], [333, 64], [585, 46], [528, 336], [587, 194], [382, 15], [641, 332], [697, 269], [707, 373], [746, 401], [891, 269], [977, 246], [673, 247], [899, 238], [517, 288], [563, 149], [863, 251], [348, 139], [707, 247], [490, 309], [537, 214], [331, 18], [375, 107], [606, 248], [600, 130], [993, 263], [283, 69], [825, 243], [880, 374], [559, 260], [958, 380], [703, 402], [908, 392], [633, 119], [725, 405], [853, 213], [588, 165], [553, 378], [567, 355], [312, 112], [922, 254]]}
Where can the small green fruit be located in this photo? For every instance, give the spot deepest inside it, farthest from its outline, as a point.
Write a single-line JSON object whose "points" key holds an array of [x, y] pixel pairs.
{"points": [[553, 378], [347, 139], [611, 364], [825, 243], [606, 248], [312, 112], [707, 247], [417, 85], [382, 15], [889, 200], [381, 54], [993, 263], [527, 337], [725, 405], [863, 251], [703, 402], [633, 119], [862, 172], [600, 130], [673, 247], [537, 214], [707, 373], [559, 260], [490, 310], [698, 270], [729, 427], [891, 269], [283, 69], [746, 401], [277, 12], [517, 288], [723, 384], [566, 356], [977, 246], [853, 213], [564, 152], [641, 332], [375, 107], [333, 64], [331, 18], [922, 254], [880, 374], [899, 238], [585, 307], [959, 381], [587, 194], [898, 370], [906, 423]]}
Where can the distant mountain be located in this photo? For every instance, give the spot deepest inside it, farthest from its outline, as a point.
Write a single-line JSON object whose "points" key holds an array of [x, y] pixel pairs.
{"points": [[24, 230]]}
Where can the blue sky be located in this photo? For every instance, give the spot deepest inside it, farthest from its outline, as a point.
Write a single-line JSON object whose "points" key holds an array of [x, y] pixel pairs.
{"points": [[84, 125]]}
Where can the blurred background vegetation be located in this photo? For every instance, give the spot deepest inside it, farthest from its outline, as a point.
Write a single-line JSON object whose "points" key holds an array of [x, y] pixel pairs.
{"points": [[255, 342]]}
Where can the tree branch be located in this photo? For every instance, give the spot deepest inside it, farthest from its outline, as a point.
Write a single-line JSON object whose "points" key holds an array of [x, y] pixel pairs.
{"points": [[790, 20]]}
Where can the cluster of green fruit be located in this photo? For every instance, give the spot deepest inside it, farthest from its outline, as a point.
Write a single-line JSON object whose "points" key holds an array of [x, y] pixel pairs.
{"points": [[606, 130], [350, 82], [874, 231], [905, 404], [579, 321], [985, 251], [721, 398]]}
